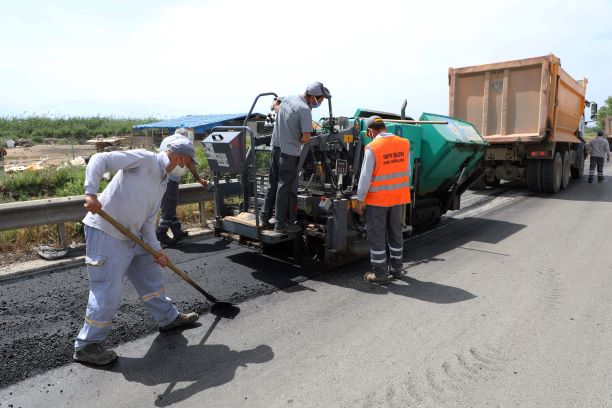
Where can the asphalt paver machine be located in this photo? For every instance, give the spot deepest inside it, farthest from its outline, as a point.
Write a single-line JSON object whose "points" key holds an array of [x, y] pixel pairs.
{"points": [[445, 159]]}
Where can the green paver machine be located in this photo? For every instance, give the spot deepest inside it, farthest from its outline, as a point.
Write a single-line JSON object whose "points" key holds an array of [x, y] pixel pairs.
{"points": [[445, 156]]}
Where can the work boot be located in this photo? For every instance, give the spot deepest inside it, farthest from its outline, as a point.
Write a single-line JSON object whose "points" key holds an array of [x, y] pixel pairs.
{"points": [[287, 228], [95, 354], [372, 277], [183, 319], [590, 180], [264, 221], [600, 179], [166, 241], [396, 274], [180, 235]]}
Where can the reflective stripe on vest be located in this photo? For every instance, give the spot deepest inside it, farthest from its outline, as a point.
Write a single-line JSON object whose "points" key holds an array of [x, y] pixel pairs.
{"points": [[390, 179]]}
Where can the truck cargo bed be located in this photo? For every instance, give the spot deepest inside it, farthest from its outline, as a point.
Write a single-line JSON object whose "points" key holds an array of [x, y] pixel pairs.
{"points": [[518, 101]]}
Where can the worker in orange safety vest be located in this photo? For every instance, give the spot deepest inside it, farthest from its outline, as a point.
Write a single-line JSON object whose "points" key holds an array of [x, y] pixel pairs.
{"points": [[384, 188]]}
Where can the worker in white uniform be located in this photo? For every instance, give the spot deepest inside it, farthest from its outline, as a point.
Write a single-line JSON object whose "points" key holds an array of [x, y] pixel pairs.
{"points": [[133, 198]]}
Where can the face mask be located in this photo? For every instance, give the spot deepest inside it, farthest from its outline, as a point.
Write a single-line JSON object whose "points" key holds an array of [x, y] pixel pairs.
{"points": [[316, 104], [178, 171]]}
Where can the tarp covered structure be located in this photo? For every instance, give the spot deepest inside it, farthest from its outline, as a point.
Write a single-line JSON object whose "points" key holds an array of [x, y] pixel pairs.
{"points": [[199, 123]]}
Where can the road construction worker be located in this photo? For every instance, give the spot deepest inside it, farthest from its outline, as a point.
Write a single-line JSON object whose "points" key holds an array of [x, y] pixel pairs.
{"points": [[292, 129], [168, 218], [271, 118], [132, 198], [384, 188], [600, 150]]}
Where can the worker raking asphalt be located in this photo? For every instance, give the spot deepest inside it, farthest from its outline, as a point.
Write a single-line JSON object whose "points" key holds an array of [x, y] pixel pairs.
{"points": [[40, 314]]}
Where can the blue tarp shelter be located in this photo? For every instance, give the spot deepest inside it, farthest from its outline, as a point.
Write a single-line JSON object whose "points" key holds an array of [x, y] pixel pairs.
{"points": [[199, 123], [148, 135]]}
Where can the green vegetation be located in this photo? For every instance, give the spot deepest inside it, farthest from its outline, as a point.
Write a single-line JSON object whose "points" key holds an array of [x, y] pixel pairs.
{"points": [[29, 185], [63, 182], [37, 128], [604, 111], [590, 133]]}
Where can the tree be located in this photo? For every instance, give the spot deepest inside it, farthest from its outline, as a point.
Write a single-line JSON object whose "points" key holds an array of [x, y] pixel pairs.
{"points": [[603, 112]]}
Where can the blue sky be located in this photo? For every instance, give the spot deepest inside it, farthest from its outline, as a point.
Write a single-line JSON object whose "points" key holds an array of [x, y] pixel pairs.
{"points": [[168, 58]]}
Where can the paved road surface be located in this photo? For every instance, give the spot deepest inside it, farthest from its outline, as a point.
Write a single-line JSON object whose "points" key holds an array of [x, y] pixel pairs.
{"points": [[507, 306]]}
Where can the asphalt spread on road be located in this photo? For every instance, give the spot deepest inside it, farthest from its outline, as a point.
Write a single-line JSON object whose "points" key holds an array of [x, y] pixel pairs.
{"points": [[41, 314]]}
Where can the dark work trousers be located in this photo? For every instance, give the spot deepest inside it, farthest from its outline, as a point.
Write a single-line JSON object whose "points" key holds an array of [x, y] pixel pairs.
{"points": [[599, 163], [287, 181], [384, 229], [168, 218], [270, 201]]}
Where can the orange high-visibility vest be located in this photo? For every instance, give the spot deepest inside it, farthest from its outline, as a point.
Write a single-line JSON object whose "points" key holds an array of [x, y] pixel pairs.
{"points": [[390, 179]]}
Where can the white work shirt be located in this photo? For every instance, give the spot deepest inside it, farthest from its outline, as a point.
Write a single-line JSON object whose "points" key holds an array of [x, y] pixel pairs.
{"points": [[133, 196]]}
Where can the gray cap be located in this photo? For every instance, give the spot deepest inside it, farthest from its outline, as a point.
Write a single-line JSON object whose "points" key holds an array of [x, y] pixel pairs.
{"points": [[183, 146], [317, 89], [181, 131], [374, 121]]}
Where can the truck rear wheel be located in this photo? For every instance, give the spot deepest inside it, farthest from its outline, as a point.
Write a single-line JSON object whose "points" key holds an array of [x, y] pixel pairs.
{"points": [[577, 172], [567, 169], [534, 179], [552, 174]]}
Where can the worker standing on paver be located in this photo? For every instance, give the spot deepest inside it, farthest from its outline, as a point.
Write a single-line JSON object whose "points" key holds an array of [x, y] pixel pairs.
{"points": [[168, 218], [292, 129], [384, 188], [600, 150], [132, 198]]}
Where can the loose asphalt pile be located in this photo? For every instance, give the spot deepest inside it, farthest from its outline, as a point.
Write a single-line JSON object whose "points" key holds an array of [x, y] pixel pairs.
{"points": [[41, 314]]}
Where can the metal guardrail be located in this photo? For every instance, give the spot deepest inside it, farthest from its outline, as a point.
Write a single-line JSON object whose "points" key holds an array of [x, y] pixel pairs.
{"points": [[57, 211]]}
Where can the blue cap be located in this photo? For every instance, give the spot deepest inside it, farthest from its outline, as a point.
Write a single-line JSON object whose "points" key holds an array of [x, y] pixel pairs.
{"points": [[183, 146]]}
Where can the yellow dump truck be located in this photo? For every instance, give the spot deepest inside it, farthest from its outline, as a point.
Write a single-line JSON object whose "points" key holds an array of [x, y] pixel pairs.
{"points": [[532, 114]]}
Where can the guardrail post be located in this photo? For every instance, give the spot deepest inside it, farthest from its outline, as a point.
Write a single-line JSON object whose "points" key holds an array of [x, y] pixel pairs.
{"points": [[202, 208], [61, 231]]}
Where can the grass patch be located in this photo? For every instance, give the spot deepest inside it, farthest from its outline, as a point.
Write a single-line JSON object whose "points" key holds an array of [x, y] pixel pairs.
{"points": [[23, 239], [47, 183], [37, 128]]}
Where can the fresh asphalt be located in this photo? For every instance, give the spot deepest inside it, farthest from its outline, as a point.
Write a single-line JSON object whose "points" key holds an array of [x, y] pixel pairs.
{"points": [[506, 305]]}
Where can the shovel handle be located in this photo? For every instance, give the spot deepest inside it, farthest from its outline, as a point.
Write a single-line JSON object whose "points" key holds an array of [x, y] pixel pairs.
{"points": [[155, 254]]}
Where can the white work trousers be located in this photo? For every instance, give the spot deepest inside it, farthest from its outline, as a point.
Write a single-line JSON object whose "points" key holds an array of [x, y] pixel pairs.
{"points": [[109, 262]]}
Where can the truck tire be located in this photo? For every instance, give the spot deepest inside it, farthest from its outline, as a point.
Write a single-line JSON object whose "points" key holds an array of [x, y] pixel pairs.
{"points": [[534, 178], [567, 169], [552, 174], [577, 172]]}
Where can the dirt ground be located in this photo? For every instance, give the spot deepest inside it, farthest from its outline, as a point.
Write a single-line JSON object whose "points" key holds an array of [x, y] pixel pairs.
{"points": [[47, 154]]}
